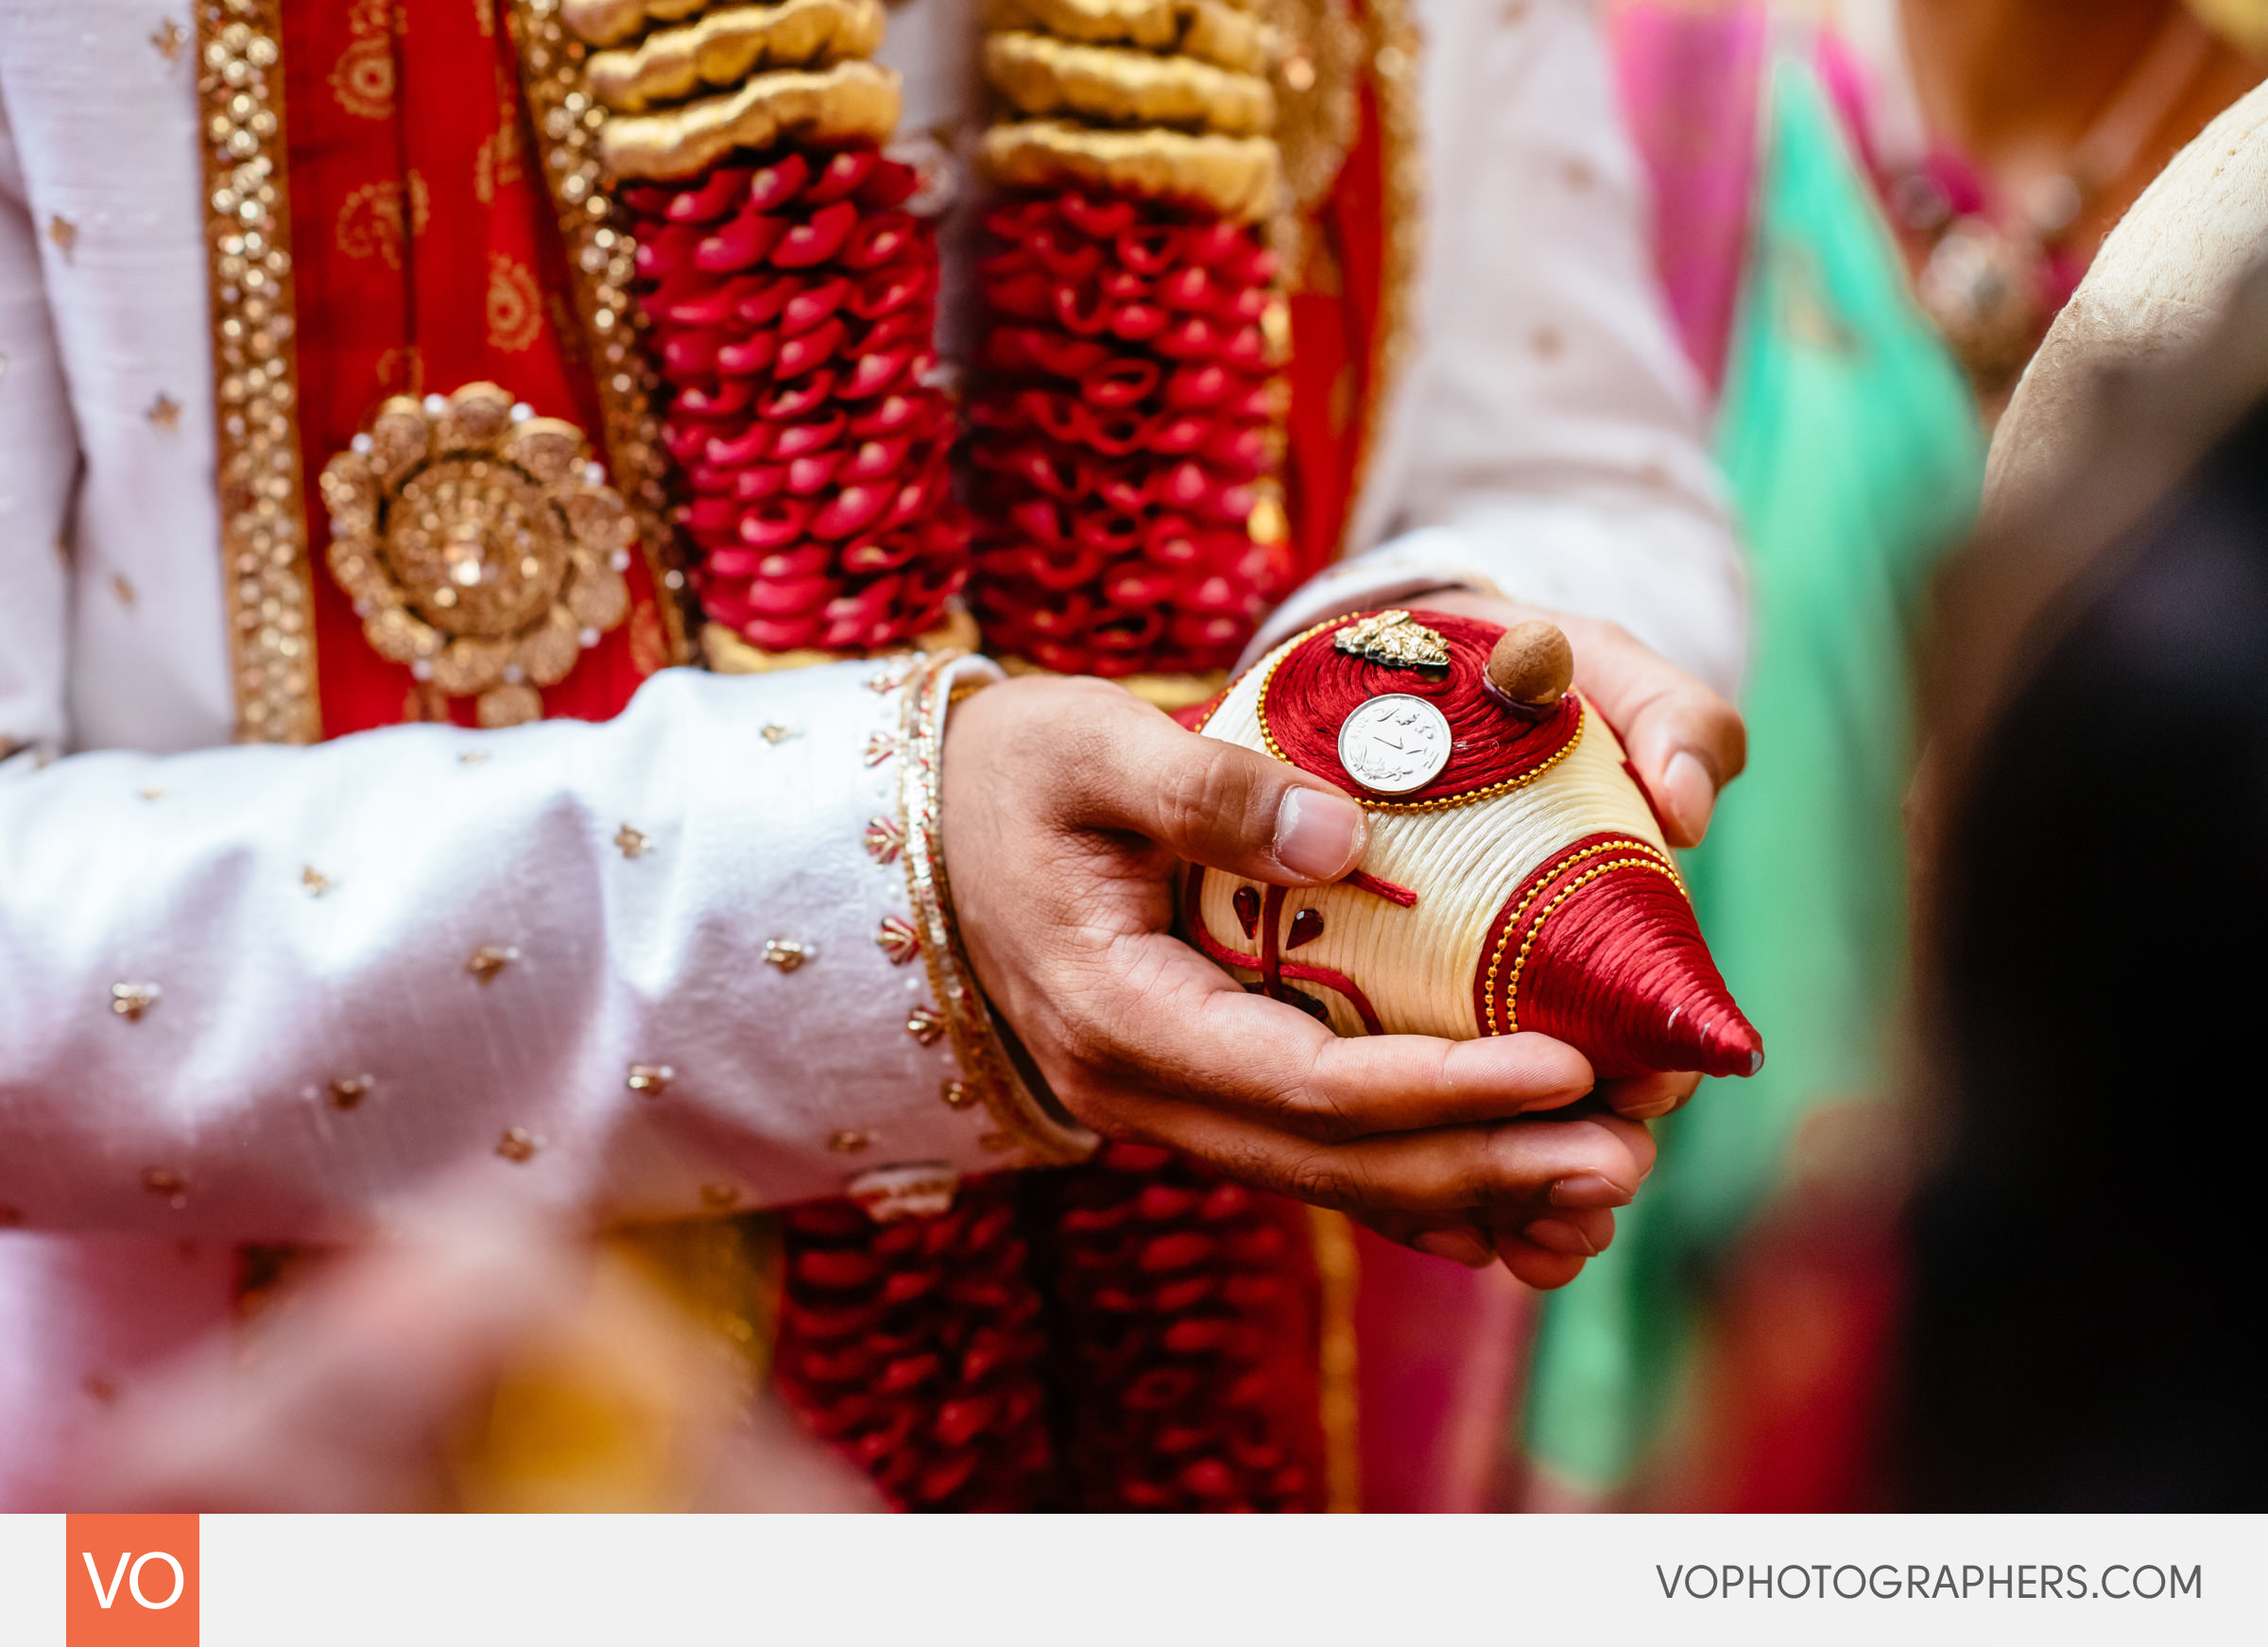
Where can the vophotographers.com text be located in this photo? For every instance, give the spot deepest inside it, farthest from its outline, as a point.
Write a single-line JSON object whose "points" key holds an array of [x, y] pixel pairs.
{"points": [[1915, 1581]]}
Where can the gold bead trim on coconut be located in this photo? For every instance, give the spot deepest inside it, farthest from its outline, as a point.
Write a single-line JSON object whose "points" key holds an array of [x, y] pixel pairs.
{"points": [[480, 545]]}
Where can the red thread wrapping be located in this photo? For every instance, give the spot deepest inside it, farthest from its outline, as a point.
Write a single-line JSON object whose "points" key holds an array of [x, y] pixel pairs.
{"points": [[792, 305], [1317, 687], [1276, 973], [1617, 968], [1125, 428], [915, 1349]]}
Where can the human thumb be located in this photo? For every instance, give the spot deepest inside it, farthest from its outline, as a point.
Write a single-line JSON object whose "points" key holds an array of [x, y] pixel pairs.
{"points": [[1231, 809]]}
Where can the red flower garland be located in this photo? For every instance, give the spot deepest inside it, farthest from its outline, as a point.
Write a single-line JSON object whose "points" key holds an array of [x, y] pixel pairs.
{"points": [[792, 306], [1128, 418], [1171, 1315], [1189, 1313], [915, 1349]]}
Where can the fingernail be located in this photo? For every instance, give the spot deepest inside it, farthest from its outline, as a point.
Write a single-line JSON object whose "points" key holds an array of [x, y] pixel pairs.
{"points": [[1460, 1246], [1557, 1235], [1317, 836], [1654, 1111], [1689, 792], [1587, 1190]]}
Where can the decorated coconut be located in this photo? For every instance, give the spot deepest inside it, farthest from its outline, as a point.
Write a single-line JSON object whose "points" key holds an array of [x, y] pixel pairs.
{"points": [[1516, 877]]}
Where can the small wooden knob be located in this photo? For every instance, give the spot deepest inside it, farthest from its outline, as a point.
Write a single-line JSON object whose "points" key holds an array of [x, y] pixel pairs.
{"points": [[1532, 663]]}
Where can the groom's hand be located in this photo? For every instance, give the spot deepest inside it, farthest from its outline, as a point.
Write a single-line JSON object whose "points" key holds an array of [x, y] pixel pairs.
{"points": [[1067, 804]]}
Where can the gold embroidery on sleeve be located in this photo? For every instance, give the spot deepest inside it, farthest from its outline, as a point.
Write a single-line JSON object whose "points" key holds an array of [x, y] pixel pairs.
{"points": [[255, 371]]}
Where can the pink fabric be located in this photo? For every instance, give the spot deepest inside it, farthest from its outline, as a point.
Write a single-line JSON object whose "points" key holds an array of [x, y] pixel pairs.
{"points": [[1439, 1349], [80, 1316], [1688, 82]]}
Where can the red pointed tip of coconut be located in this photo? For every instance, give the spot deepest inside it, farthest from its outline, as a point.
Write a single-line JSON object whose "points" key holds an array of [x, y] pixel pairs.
{"points": [[1602, 953], [1728, 1046]]}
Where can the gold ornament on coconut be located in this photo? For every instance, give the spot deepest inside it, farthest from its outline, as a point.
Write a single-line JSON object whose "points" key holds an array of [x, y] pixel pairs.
{"points": [[480, 544]]}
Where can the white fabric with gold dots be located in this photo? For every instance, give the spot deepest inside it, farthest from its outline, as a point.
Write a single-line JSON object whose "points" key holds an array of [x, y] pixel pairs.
{"points": [[201, 1097]]}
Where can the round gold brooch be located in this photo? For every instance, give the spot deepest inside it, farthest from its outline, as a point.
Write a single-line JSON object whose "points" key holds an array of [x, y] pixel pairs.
{"points": [[480, 544]]}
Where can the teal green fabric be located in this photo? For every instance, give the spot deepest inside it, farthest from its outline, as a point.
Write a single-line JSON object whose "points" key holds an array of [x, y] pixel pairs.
{"points": [[1855, 459]]}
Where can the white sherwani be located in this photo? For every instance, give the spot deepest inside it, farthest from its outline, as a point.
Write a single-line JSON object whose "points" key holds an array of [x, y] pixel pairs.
{"points": [[284, 919]]}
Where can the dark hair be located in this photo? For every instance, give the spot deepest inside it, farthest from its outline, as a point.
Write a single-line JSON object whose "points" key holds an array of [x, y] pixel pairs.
{"points": [[2084, 1289]]}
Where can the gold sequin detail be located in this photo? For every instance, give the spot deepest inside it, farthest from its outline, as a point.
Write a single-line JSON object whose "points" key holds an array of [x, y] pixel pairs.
{"points": [[168, 38], [165, 414], [315, 881], [899, 939], [632, 843], [773, 732], [488, 960], [131, 1000], [986, 1074], [64, 234], [601, 253], [123, 587], [162, 1181], [517, 1144], [154, 792], [346, 1092], [719, 1195], [850, 1140], [479, 544], [788, 953], [886, 839], [255, 370], [649, 1080], [879, 747], [922, 1190]]}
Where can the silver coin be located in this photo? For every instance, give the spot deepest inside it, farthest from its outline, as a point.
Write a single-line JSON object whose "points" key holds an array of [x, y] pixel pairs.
{"points": [[1394, 743]]}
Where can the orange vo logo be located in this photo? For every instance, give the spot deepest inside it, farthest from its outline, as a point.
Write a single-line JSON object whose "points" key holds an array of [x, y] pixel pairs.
{"points": [[131, 1581]]}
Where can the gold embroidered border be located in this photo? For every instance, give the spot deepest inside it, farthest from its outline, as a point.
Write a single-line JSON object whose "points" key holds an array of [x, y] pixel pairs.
{"points": [[255, 372], [1394, 45], [601, 253], [1043, 1141]]}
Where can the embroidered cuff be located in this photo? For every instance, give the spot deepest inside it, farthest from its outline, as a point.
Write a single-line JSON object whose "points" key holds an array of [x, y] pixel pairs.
{"points": [[987, 1077]]}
